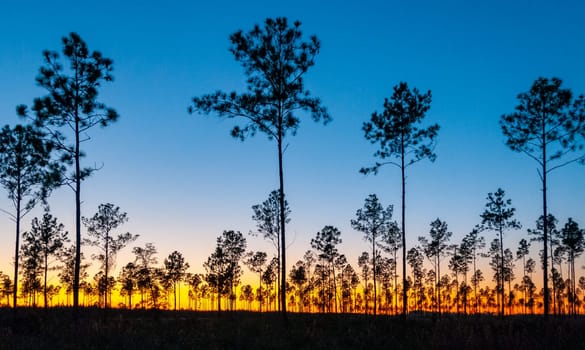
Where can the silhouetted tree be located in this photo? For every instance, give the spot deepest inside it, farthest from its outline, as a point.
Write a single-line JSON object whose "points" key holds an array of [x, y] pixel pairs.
{"points": [[521, 254], [175, 268], [71, 105], [375, 223], [145, 275], [49, 237], [256, 263], [402, 143], [435, 249], [573, 240], [364, 264], [127, 279], [100, 227], [267, 217], [275, 58], [498, 217], [474, 243], [67, 270], [298, 277], [545, 127], [6, 287], [27, 174], [325, 243], [415, 260]]}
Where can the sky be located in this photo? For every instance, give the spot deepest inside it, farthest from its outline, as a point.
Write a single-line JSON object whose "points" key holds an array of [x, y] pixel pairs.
{"points": [[183, 179]]}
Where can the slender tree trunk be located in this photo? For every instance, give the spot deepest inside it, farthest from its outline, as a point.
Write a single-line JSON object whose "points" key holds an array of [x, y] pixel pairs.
{"points": [[17, 248], [46, 268], [545, 222], [374, 270], [402, 168], [106, 268], [77, 220], [438, 284], [502, 297], [282, 224]]}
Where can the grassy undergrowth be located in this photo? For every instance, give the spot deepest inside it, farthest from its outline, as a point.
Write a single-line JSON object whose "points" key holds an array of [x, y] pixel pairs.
{"points": [[153, 329]]}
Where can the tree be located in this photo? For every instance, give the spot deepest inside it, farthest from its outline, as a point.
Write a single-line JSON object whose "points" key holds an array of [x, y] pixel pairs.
{"points": [[375, 223], [127, 279], [145, 281], [573, 239], [545, 127], [49, 237], [67, 273], [298, 276], [415, 260], [72, 105], [275, 59], [325, 243], [402, 143], [498, 216], [27, 173], [521, 254], [256, 263], [364, 264], [267, 217], [100, 227], [175, 269], [473, 243], [435, 249]]}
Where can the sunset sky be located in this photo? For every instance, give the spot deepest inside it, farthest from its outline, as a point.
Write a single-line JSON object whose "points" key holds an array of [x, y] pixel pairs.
{"points": [[182, 179]]}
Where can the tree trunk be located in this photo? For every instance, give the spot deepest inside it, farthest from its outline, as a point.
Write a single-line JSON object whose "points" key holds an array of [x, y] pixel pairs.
{"points": [[502, 278], [545, 222], [402, 168], [282, 225], [46, 268], [77, 221], [375, 268], [16, 249]]}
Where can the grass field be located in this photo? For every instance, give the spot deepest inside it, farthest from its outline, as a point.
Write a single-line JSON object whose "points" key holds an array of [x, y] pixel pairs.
{"points": [[123, 329]]}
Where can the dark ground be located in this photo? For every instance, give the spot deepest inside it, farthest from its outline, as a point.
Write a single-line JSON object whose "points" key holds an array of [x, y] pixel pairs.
{"points": [[123, 329]]}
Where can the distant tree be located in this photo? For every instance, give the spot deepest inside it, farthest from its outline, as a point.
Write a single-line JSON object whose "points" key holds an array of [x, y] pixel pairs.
{"points": [[175, 268], [27, 174], [275, 58], [67, 270], [402, 143], [6, 287], [49, 238], [498, 216], [99, 228], [145, 260], [223, 266], [298, 277], [573, 240], [435, 249], [375, 223], [256, 263], [364, 264], [474, 243], [392, 242], [415, 260], [545, 127], [521, 254], [553, 233], [127, 280], [267, 217], [325, 243]]}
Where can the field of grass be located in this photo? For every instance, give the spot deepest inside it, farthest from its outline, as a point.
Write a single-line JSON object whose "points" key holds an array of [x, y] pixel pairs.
{"points": [[123, 329]]}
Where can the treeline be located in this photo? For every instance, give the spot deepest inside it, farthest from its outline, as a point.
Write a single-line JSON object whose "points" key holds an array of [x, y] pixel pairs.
{"points": [[548, 125], [323, 280]]}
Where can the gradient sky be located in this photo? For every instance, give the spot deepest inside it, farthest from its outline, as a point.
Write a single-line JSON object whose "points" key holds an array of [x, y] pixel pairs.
{"points": [[182, 179]]}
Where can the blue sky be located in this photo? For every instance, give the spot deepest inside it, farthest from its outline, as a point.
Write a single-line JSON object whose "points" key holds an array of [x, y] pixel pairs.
{"points": [[182, 179]]}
